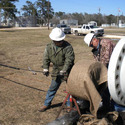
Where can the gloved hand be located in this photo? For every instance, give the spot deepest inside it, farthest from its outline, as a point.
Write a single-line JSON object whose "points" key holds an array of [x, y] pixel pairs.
{"points": [[62, 73], [46, 72]]}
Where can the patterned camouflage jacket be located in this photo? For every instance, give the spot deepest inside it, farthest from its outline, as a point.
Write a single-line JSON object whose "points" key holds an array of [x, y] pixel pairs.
{"points": [[103, 53], [62, 58]]}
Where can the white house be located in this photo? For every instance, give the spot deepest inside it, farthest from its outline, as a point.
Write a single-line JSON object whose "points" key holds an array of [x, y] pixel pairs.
{"points": [[92, 23], [121, 24], [70, 22]]}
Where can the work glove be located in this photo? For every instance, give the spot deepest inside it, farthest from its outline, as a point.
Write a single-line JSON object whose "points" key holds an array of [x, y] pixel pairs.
{"points": [[62, 73], [46, 72]]}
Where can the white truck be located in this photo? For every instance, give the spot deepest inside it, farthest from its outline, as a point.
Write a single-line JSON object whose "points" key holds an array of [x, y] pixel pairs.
{"points": [[85, 29]]}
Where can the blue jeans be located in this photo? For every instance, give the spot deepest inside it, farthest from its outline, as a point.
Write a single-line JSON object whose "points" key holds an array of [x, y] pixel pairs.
{"points": [[52, 91]]}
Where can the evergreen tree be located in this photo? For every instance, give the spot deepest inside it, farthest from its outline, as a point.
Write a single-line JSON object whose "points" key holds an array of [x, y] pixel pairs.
{"points": [[8, 8]]}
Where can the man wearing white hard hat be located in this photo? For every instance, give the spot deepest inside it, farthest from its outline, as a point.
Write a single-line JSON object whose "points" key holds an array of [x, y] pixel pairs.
{"points": [[60, 53], [102, 50]]}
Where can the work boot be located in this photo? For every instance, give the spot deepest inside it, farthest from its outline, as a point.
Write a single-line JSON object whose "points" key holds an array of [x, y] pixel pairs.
{"points": [[43, 108]]}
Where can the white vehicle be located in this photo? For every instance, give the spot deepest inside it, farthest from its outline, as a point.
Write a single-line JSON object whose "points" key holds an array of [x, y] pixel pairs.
{"points": [[65, 28], [85, 29]]}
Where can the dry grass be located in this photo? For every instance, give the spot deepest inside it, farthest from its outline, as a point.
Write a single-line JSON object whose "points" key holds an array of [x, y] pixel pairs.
{"points": [[21, 92], [118, 31]]}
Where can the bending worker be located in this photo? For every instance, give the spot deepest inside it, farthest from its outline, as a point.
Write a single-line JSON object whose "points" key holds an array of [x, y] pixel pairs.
{"points": [[102, 50], [60, 53]]}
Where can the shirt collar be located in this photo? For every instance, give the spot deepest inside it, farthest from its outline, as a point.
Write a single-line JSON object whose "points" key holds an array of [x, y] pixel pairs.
{"points": [[98, 45]]}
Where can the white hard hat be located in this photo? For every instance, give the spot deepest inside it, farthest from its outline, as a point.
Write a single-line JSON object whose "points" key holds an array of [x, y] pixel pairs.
{"points": [[57, 34], [88, 38]]}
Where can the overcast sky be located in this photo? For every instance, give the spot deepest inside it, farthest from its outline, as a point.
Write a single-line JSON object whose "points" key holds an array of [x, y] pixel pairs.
{"points": [[107, 7]]}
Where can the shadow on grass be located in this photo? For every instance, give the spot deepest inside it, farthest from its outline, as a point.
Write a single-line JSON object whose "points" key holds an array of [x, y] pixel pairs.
{"points": [[56, 105], [23, 84], [53, 106], [27, 86]]}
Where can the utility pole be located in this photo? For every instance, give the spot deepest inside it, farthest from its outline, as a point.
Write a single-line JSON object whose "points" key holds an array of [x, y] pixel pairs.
{"points": [[99, 18], [48, 14], [99, 10], [118, 17], [0, 16]]}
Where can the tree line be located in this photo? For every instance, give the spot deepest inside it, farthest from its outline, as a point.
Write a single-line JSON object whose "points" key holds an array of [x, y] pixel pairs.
{"points": [[43, 11], [84, 18]]}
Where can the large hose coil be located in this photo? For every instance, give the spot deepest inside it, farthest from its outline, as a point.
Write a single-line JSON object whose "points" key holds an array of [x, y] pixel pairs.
{"points": [[116, 73]]}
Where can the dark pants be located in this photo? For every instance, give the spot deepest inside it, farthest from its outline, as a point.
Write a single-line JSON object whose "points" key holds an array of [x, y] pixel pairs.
{"points": [[106, 99]]}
